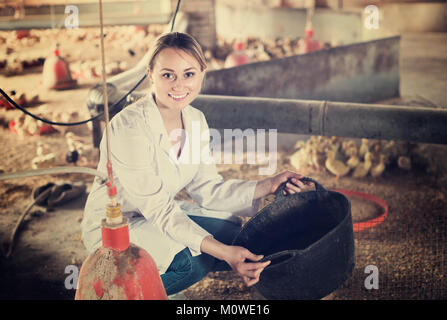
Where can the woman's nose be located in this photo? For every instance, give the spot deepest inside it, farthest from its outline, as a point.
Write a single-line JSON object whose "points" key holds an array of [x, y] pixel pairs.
{"points": [[178, 84]]}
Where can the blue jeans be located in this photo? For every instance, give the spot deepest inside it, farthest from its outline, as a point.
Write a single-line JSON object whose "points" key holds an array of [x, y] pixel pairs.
{"points": [[185, 270]]}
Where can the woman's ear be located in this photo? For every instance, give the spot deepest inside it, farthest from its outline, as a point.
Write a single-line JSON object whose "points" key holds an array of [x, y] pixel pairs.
{"points": [[149, 75]]}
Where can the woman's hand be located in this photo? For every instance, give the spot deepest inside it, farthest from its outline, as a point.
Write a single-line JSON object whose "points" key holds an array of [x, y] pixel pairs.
{"points": [[291, 188], [270, 185], [236, 258], [248, 271]]}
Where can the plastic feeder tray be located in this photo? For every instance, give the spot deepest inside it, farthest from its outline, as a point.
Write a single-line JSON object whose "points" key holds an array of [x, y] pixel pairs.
{"points": [[308, 237]]}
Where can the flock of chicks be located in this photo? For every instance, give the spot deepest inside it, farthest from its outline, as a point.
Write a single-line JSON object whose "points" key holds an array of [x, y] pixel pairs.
{"points": [[24, 49], [257, 49], [341, 156]]}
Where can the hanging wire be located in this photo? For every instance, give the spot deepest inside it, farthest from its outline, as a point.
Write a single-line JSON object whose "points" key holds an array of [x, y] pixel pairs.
{"points": [[175, 15], [3, 93], [104, 80]]}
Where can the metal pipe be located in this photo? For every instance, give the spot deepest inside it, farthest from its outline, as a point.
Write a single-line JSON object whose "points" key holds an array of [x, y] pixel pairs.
{"points": [[116, 13], [355, 120]]}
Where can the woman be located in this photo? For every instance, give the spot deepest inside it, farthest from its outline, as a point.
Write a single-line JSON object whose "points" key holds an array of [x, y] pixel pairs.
{"points": [[186, 241]]}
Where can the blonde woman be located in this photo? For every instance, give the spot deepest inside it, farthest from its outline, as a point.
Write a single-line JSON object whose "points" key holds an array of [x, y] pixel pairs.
{"points": [[186, 240]]}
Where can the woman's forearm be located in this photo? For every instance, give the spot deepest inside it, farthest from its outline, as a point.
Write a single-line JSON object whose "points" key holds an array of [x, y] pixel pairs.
{"points": [[214, 248], [263, 188]]}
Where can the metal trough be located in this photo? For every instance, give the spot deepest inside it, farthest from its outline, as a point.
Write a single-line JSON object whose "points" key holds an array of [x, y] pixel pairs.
{"points": [[361, 72]]}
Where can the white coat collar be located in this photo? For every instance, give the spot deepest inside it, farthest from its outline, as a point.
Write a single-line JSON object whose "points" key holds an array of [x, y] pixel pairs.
{"points": [[156, 125]]}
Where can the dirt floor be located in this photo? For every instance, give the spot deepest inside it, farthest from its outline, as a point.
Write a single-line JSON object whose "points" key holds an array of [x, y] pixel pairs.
{"points": [[408, 248]]}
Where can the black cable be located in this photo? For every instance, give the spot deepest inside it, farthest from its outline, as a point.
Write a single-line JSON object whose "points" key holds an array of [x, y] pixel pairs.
{"points": [[69, 123], [98, 115], [175, 15]]}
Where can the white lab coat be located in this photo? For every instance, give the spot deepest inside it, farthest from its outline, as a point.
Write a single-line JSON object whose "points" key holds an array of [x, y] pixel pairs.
{"points": [[148, 176]]}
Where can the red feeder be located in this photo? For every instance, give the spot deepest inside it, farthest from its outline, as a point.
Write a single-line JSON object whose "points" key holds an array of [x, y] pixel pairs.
{"points": [[20, 34], [56, 73], [238, 56], [119, 270], [309, 43]]}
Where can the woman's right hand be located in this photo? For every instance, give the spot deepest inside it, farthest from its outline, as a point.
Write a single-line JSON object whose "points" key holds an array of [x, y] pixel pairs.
{"points": [[237, 258], [249, 271]]}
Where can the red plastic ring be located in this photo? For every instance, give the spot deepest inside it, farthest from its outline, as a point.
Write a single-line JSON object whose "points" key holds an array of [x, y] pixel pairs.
{"points": [[368, 224]]}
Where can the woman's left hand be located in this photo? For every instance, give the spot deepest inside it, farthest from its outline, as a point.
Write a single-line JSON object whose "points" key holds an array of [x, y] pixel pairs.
{"points": [[290, 188]]}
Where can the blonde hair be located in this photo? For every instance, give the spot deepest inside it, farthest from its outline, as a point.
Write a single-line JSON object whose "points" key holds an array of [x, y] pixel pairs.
{"points": [[177, 40]]}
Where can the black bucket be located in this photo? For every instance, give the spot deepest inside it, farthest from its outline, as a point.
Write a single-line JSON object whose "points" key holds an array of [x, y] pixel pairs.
{"points": [[308, 237]]}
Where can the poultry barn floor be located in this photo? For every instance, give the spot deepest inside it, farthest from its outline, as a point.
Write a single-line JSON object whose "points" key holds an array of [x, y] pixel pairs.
{"points": [[408, 248]]}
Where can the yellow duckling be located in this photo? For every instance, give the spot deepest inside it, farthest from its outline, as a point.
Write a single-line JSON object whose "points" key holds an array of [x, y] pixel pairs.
{"points": [[299, 145], [378, 169], [334, 145], [363, 148], [353, 160], [335, 142], [318, 158], [334, 166], [347, 145], [301, 158], [390, 151], [363, 168]]}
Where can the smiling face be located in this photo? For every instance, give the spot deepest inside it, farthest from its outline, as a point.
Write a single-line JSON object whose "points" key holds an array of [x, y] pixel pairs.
{"points": [[177, 78]]}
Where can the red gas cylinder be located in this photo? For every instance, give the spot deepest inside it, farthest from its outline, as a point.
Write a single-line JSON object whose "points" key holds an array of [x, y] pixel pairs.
{"points": [[308, 44], [56, 73], [238, 56], [119, 270]]}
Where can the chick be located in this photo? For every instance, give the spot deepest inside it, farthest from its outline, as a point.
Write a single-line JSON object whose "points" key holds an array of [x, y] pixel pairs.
{"points": [[362, 169], [335, 166], [390, 151], [375, 149], [301, 158], [335, 142], [378, 169], [353, 160], [321, 144], [299, 145], [318, 159], [347, 145], [334, 146], [363, 148]]}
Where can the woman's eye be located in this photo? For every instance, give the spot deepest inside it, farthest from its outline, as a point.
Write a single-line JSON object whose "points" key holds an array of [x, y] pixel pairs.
{"points": [[189, 74], [168, 75]]}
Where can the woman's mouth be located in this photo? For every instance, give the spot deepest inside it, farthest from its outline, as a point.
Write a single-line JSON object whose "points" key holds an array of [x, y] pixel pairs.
{"points": [[178, 97]]}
